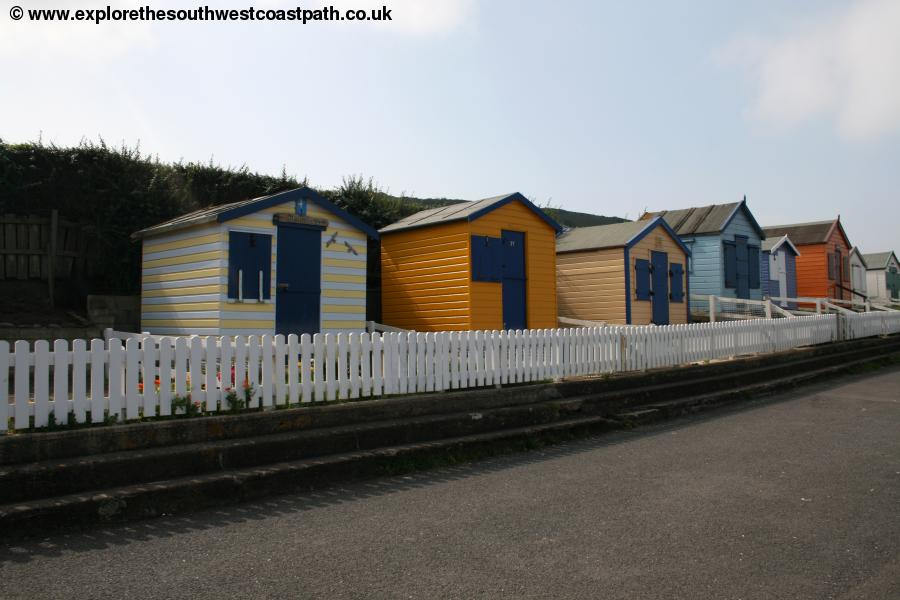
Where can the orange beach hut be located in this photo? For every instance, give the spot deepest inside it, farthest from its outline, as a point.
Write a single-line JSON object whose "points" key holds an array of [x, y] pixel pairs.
{"points": [[489, 264], [823, 266]]}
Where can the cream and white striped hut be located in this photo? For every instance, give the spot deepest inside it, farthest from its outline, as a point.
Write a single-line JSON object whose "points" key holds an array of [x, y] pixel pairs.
{"points": [[292, 262]]}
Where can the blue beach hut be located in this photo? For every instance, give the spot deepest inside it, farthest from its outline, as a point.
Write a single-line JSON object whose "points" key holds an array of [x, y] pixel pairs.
{"points": [[725, 248]]}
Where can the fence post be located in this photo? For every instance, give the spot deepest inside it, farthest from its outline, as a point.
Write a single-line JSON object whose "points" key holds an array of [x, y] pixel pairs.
{"points": [[769, 308], [818, 306], [712, 309]]}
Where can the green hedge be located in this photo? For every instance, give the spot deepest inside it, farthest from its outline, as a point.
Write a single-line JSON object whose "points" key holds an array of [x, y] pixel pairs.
{"points": [[119, 191]]}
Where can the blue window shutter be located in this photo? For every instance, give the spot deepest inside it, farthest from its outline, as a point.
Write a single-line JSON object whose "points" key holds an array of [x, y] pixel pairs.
{"points": [[753, 259], [478, 253], [262, 262], [238, 245], [485, 258], [676, 285], [250, 253], [642, 278], [730, 264], [495, 259]]}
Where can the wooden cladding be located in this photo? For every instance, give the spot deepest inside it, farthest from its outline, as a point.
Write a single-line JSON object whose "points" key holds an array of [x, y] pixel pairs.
{"points": [[33, 247]]}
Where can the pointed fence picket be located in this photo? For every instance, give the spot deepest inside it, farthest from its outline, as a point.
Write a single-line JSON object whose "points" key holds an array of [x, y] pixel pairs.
{"points": [[159, 376]]}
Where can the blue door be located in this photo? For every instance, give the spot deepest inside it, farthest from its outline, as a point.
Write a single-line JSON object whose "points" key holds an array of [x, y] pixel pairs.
{"points": [[743, 267], [513, 280], [659, 264], [298, 277]]}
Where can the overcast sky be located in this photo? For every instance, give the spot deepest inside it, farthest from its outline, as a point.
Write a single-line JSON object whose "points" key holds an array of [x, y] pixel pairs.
{"points": [[605, 107]]}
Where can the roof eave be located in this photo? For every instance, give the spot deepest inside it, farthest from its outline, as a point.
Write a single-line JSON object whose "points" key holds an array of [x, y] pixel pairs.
{"points": [[160, 229], [590, 249], [528, 204], [657, 221], [750, 217], [387, 231], [304, 193]]}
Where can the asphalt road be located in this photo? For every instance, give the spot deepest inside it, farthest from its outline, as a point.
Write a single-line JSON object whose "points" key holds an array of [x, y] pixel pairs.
{"points": [[792, 497]]}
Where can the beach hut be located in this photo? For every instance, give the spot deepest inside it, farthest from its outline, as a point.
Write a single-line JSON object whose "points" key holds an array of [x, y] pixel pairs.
{"points": [[626, 273], [292, 262], [778, 268], [858, 269], [883, 277], [724, 242], [823, 267], [489, 264]]}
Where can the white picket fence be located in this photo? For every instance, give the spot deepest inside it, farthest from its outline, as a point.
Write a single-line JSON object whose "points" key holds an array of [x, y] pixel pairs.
{"points": [[142, 376], [861, 325]]}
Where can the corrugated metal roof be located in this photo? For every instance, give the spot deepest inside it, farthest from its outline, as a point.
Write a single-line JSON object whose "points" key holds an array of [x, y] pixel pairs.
{"points": [[599, 236], [878, 260], [802, 233], [463, 211], [697, 220]]}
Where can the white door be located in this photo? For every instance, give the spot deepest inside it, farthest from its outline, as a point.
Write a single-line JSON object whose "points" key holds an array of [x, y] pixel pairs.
{"points": [[778, 272]]}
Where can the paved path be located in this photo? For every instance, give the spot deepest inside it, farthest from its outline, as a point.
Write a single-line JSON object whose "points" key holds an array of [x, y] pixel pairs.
{"points": [[796, 497]]}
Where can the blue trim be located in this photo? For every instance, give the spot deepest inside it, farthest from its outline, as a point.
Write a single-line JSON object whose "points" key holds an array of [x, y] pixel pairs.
{"points": [[656, 221], [511, 198], [676, 268], [750, 217], [627, 287], [687, 296], [294, 195]]}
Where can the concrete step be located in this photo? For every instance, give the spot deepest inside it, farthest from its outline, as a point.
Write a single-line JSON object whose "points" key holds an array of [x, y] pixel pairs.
{"points": [[184, 494], [45, 478], [74, 475], [234, 483]]}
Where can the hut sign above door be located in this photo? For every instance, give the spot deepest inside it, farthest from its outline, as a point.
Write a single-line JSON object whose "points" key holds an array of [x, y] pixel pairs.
{"points": [[299, 219]]}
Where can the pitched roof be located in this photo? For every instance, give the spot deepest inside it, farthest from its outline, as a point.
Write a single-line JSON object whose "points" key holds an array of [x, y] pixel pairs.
{"points": [[615, 235], [771, 244], [704, 219], [233, 210], [465, 211], [816, 232], [855, 250], [879, 260]]}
